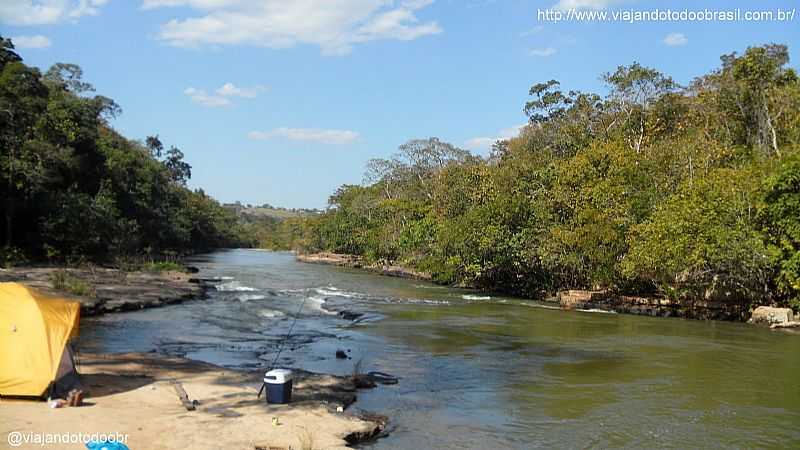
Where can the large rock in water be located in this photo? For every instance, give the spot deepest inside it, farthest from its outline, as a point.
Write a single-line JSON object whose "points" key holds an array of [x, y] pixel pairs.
{"points": [[768, 315]]}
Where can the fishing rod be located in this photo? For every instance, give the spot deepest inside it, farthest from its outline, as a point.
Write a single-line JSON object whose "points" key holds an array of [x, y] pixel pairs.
{"points": [[283, 341]]}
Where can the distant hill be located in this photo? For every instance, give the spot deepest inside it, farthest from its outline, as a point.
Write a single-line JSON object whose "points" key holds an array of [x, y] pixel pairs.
{"points": [[269, 211]]}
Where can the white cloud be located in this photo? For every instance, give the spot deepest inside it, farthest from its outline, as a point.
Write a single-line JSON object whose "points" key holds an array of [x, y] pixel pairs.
{"points": [[333, 26], [532, 31], [319, 135], [45, 12], [565, 5], [231, 90], [676, 39], [36, 41], [202, 97], [220, 97], [543, 52], [484, 143]]}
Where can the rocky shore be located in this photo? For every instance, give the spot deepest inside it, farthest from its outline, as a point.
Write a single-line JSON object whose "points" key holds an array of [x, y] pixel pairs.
{"points": [[776, 318], [112, 290], [135, 394], [357, 262], [604, 300]]}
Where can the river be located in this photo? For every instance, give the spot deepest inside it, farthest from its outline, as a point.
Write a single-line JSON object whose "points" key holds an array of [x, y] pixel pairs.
{"points": [[484, 372]]}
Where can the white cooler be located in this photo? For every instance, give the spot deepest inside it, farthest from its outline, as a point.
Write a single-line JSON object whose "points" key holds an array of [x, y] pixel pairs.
{"points": [[279, 386]]}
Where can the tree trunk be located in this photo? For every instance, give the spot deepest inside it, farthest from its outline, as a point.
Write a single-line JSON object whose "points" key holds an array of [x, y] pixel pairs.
{"points": [[9, 206], [773, 136], [9, 214]]}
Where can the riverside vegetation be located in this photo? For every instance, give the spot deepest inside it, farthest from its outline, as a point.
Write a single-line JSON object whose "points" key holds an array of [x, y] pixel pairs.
{"points": [[73, 189], [690, 192], [653, 188]]}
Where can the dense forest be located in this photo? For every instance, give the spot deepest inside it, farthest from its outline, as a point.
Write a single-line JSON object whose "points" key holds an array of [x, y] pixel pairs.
{"points": [[684, 191], [73, 189], [652, 187]]}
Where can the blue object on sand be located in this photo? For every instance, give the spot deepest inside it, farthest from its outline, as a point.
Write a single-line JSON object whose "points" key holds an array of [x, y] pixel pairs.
{"points": [[106, 445]]}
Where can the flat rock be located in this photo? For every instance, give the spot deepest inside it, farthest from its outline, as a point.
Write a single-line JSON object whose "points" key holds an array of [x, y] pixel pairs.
{"points": [[768, 315], [114, 290]]}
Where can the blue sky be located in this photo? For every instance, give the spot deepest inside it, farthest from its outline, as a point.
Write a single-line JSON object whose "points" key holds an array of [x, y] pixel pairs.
{"points": [[281, 101]]}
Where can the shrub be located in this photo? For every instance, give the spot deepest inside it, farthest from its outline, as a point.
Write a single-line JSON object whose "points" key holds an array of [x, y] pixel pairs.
{"points": [[62, 280], [704, 241], [781, 217]]}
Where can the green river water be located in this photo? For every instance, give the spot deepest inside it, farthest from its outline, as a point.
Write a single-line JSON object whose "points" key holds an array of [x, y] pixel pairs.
{"points": [[482, 371]]}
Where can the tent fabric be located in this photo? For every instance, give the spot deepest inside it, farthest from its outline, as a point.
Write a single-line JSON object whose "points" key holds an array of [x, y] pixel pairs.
{"points": [[67, 377], [34, 330]]}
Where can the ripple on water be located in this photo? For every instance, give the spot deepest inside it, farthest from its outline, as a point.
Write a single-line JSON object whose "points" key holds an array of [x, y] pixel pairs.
{"points": [[233, 286]]}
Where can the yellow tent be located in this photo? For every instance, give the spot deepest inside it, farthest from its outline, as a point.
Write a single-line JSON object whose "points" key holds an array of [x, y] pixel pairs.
{"points": [[34, 331]]}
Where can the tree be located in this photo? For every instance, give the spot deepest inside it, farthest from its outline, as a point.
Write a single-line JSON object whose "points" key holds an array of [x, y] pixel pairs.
{"points": [[634, 91], [753, 81], [180, 171], [781, 219], [155, 146], [415, 164], [704, 241], [68, 77], [7, 53], [23, 98], [549, 103]]}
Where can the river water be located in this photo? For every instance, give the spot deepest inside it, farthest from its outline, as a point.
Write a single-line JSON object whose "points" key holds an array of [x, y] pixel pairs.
{"points": [[480, 371]]}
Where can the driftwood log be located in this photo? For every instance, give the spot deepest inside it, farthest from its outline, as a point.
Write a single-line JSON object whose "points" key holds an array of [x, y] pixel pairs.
{"points": [[183, 396]]}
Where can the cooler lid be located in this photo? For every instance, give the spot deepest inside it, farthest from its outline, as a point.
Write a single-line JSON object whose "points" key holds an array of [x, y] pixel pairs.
{"points": [[278, 376]]}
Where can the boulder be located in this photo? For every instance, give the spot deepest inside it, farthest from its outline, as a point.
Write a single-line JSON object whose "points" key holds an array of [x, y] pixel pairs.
{"points": [[768, 315]]}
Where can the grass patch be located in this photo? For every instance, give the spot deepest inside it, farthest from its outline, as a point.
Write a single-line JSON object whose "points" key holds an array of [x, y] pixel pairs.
{"points": [[65, 281], [148, 264], [163, 266]]}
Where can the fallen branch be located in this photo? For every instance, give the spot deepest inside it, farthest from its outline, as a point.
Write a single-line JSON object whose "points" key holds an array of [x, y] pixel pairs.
{"points": [[184, 397]]}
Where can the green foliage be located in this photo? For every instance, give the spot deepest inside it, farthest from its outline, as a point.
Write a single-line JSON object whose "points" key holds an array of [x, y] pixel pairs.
{"points": [[651, 188], [9, 256], [781, 217], [73, 188], [704, 240], [62, 280]]}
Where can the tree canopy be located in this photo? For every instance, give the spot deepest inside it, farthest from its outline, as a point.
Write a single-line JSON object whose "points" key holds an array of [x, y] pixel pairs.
{"points": [[73, 188], [683, 191]]}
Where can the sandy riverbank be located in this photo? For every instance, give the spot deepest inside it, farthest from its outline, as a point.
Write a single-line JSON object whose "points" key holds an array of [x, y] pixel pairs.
{"points": [[133, 394]]}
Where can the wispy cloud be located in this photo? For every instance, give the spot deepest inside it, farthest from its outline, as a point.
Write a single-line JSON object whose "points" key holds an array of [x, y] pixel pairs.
{"points": [[318, 135], [585, 4], [46, 12], [484, 143], [676, 39], [36, 41], [535, 30], [543, 52], [221, 96], [231, 90], [565, 5], [201, 97], [333, 26]]}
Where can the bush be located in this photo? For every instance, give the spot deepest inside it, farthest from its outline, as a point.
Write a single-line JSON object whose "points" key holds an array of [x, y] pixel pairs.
{"points": [[65, 281], [704, 241], [781, 218], [10, 256]]}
